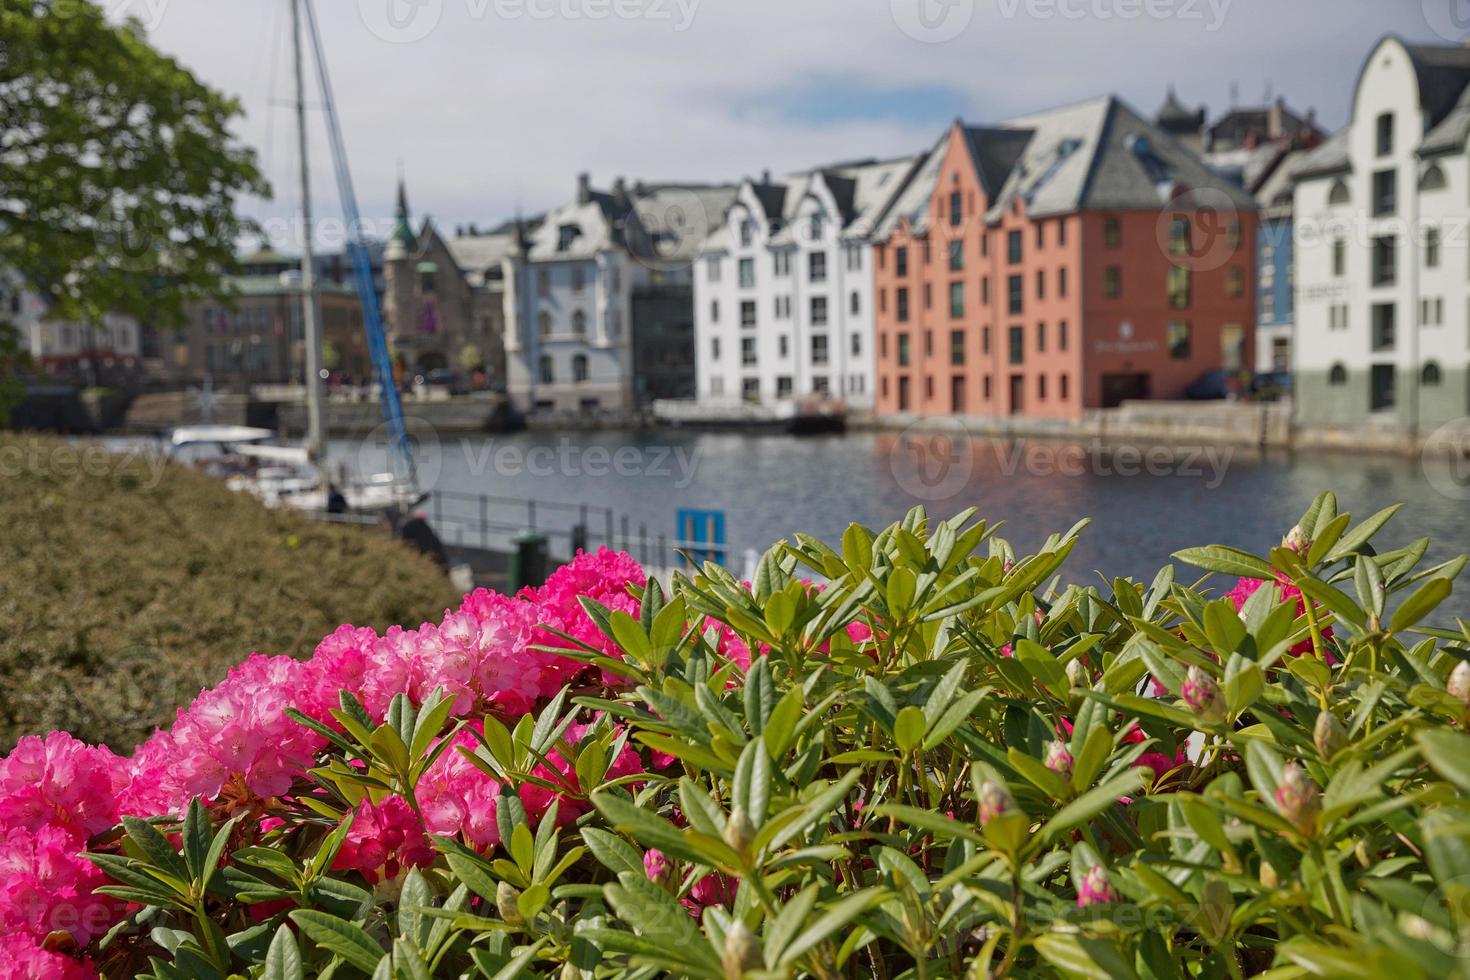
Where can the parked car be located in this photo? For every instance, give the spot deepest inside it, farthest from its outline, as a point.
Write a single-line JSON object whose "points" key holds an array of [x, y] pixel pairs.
{"points": [[1209, 386], [1270, 386]]}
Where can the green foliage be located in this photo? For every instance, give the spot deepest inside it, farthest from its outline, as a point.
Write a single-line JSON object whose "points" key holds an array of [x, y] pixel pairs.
{"points": [[127, 586], [118, 173], [940, 764]]}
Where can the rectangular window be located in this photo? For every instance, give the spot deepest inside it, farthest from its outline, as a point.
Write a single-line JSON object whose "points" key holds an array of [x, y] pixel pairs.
{"points": [[901, 303], [901, 260], [750, 389], [928, 343], [1041, 338], [711, 272], [1112, 233], [1385, 193], [1062, 237], [783, 386], [857, 344], [819, 348], [1040, 235], [1179, 334], [957, 347], [1017, 343], [1385, 261], [984, 290], [747, 273], [985, 387], [1179, 230], [817, 267], [1040, 282], [1062, 280], [1062, 382], [1384, 135], [928, 296], [957, 394], [747, 351], [1339, 257], [747, 313], [1180, 287], [1112, 282], [714, 348], [957, 255], [819, 311], [1384, 332], [985, 341], [1015, 299], [956, 208], [783, 346], [1013, 247], [1062, 335], [956, 300], [1431, 248], [1234, 282], [781, 264], [903, 350], [1041, 387]]}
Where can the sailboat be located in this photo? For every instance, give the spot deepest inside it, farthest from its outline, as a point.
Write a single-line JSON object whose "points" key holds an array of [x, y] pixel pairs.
{"points": [[305, 477]]}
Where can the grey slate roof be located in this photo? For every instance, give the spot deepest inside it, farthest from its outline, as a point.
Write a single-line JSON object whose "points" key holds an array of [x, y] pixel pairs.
{"points": [[911, 202], [1443, 72], [476, 255], [994, 152], [1329, 158]]}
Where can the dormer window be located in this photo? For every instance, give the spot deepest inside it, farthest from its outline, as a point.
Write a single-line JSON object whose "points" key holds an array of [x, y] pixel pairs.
{"points": [[566, 235], [816, 227], [747, 233]]}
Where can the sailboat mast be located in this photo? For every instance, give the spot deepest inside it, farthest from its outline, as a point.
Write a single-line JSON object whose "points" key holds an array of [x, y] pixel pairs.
{"points": [[311, 330]]}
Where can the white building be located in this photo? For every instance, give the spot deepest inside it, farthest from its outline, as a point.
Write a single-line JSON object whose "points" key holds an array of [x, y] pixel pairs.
{"points": [[1382, 295], [61, 346], [598, 297], [783, 296]]}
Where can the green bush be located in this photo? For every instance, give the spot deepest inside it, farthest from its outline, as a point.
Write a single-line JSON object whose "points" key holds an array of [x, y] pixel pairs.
{"points": [[125, 588], [940, 763]]}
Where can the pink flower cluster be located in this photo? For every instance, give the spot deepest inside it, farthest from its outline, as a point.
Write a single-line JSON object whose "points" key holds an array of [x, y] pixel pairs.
{"points": [[236, 748], [1247, 587]]}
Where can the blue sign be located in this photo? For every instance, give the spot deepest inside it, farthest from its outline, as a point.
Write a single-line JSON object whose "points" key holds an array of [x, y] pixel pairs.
{"points": [[700, 534]]}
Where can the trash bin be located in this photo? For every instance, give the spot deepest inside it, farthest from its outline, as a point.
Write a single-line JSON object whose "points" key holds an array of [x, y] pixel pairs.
{"points": [[528, 561]]}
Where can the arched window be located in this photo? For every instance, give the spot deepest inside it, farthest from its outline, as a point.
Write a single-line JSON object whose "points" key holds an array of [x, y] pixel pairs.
{"points": [[1432, 179], [548, 373], [1339, 193], [579, 368], [579, 323], [544, 324], [1337, 376], [1431, 375]]}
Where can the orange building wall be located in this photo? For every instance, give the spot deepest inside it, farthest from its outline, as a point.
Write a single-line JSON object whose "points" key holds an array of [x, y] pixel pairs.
{"points": [[1054, 380]]}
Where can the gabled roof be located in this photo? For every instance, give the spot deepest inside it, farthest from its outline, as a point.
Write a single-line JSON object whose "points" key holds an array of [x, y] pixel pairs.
{"points": [[1329, 158], [861, 192], [911, 202], [994, 151], [1443, 72]]}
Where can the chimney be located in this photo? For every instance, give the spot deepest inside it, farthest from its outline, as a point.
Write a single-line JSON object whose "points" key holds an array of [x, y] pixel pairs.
{"points": [[1274, 119], [473, 230], [765, 176], [584, 188], [620, 191]]}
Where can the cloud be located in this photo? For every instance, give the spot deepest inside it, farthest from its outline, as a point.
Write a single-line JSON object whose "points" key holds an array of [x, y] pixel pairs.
{"points": [[494, 106]]}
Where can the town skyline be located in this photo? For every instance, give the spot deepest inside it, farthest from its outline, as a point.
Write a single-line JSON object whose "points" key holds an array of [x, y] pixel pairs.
{"points": [[626, 91]]}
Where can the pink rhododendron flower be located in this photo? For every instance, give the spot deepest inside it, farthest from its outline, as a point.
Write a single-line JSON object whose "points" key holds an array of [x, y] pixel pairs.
{"points": [[1095, 888], [46, 887], [457, 797], [1247, 587], [537, 799], [24, 959], [386, 840], [713, 889], [61, 782]]}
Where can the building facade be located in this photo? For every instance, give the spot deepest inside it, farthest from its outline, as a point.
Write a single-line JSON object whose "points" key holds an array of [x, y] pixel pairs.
{"points": [[1058, 263], [84, 353], [598, 280], [444, 301], [783, 295], [1382, 301]]}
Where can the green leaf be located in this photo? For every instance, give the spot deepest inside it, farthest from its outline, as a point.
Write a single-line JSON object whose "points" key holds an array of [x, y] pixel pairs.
{"points": [[1093, 802], [616, 854], [347, 939], [283, 959], [908, 728], [752, 789], [1420, 604], [1227, 561], [160, 852], [1448, 753]]}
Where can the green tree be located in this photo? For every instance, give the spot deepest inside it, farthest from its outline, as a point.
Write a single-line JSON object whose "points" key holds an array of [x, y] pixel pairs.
{"points": [[118, 172], [470, 358]]}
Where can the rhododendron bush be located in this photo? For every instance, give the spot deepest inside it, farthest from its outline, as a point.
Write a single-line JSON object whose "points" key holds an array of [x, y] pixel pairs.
{"points": [[913, 754]]}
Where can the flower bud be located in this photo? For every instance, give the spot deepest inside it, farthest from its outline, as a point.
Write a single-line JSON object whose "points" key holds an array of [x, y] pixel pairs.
{"points": [[1459, 683], [742, 951], [1058, 759], [1328, 734], [1202, 695], [1297, 541], [1077, 674], [1268, 876], [505, 903], [1298, 799], [995, 799], [1095, 888], [738, 831]]}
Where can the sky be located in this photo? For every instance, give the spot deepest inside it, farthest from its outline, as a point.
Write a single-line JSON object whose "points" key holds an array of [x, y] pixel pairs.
{"points": [[492, 107]]}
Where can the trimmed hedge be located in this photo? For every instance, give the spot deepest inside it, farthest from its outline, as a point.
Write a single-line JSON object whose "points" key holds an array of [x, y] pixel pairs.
{"points": [[127, 586]]}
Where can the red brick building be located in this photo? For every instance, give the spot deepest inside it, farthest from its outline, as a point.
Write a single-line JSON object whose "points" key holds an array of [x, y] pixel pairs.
{"points": [[1058, 263]]}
